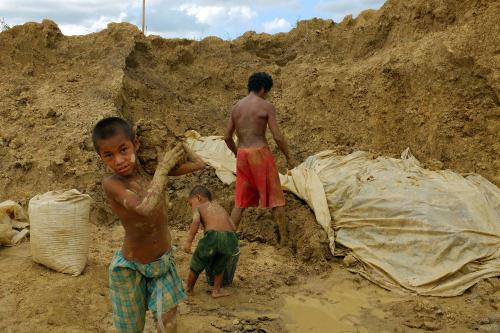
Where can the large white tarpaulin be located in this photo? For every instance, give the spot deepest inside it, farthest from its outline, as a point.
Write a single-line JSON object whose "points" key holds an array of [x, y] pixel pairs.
{"points": [[414, 230]]}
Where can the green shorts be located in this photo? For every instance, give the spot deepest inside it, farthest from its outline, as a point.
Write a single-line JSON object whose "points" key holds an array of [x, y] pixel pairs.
{"points": [[214, 251], [136, 287]]}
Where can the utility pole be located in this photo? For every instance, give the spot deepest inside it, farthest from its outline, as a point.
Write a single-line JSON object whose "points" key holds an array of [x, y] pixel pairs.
{"points": [[144, 16]]}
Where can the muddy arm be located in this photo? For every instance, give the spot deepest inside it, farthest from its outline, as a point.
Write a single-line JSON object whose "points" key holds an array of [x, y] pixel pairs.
{"points": [[193, 164], [279, 137]]}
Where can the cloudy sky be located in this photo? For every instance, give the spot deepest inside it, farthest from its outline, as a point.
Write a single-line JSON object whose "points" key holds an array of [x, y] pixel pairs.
{"points": [[227, 19]]}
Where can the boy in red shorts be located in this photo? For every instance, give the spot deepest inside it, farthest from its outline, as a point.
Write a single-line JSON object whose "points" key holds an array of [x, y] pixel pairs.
{"points": [[257, 179]]}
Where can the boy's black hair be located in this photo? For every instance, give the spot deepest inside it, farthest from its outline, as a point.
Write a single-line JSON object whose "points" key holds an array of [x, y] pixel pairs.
{"points": [[260, 80], [109, 127], [201, 191]]}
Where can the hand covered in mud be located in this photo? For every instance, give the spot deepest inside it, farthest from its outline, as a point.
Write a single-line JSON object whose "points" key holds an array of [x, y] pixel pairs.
{"points": [[189, 152], [171, 158], [192, 156], [187, 247]]}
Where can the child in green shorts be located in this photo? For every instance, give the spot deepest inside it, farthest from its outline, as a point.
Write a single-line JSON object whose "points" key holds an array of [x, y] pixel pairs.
{"points": [[218, 245]]}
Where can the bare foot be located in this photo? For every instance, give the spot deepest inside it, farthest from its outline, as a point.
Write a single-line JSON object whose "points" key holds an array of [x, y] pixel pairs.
{"points": [[219, 294], [189, 292]]}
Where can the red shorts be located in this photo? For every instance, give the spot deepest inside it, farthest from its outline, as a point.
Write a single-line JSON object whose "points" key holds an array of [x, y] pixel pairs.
{"points": [[257, 179]]}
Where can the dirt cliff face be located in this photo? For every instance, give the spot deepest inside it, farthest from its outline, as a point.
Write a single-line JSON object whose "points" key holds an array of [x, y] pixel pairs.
{"points": [[420, 74]]}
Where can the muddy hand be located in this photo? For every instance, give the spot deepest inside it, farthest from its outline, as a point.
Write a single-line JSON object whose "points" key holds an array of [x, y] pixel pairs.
{"points": [[190, 153], [194, 158], [171, 158]]}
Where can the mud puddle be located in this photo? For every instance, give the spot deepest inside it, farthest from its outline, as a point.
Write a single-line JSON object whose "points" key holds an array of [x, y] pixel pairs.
{"points": [[331, 306]]}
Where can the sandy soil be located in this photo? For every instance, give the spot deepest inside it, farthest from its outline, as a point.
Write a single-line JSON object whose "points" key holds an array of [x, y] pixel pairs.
{"points": [[419, 73], [273, 292]]}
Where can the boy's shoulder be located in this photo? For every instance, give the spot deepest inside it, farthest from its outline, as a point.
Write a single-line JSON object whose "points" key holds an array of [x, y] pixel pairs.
{"points": [[111, 179], [113, 183], [220, 207], [109, 183], [268, 105]]}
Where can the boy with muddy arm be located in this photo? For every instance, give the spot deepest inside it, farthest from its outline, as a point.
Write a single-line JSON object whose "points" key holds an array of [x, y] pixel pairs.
{"points": [[142, 275], [217, 246]]}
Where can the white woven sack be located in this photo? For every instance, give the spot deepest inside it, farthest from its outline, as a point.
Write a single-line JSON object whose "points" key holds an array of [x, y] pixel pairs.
{"points": [[60, 230]]}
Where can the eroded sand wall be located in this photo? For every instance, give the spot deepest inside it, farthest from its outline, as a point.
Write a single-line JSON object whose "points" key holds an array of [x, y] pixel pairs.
{"points": [[418, 74]]}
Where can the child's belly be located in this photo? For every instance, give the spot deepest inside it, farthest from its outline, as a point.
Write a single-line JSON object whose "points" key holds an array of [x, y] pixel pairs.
{"points": [[146, 245]]}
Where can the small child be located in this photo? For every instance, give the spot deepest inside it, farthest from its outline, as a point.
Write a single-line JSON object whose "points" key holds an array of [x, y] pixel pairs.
{"points": [[142, 274], [220, 242]]}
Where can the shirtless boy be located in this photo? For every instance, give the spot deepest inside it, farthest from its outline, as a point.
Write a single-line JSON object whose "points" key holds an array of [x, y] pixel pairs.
{"points": [[257, 178], [142, 274], [217, 246]]}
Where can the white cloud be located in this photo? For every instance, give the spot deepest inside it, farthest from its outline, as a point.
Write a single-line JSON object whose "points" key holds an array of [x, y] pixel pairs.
{"points": [[216, 15], [277, 25], [203, 14], [89, 26], [70, 8], [251, 3], [74, 29], [241, 12], [341, 8], [103, 21]]}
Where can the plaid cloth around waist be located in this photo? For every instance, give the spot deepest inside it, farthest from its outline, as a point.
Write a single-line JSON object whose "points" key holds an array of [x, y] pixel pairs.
{"points": [[135, 288]]}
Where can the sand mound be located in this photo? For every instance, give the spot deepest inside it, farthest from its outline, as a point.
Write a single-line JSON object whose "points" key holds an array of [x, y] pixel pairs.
{"points": [[418, 74]]}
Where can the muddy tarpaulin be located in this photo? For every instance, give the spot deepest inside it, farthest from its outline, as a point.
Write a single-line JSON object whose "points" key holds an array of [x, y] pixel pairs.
{"points": [[428, 232], [414, 230], [213, 150]]}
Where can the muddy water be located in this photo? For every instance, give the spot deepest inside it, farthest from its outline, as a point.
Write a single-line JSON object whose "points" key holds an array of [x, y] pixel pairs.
{"points": [[332, 306]]}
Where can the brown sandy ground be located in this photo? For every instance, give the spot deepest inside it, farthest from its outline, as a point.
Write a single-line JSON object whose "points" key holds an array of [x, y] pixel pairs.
{"points": [[272, 292], [419, 73]]}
